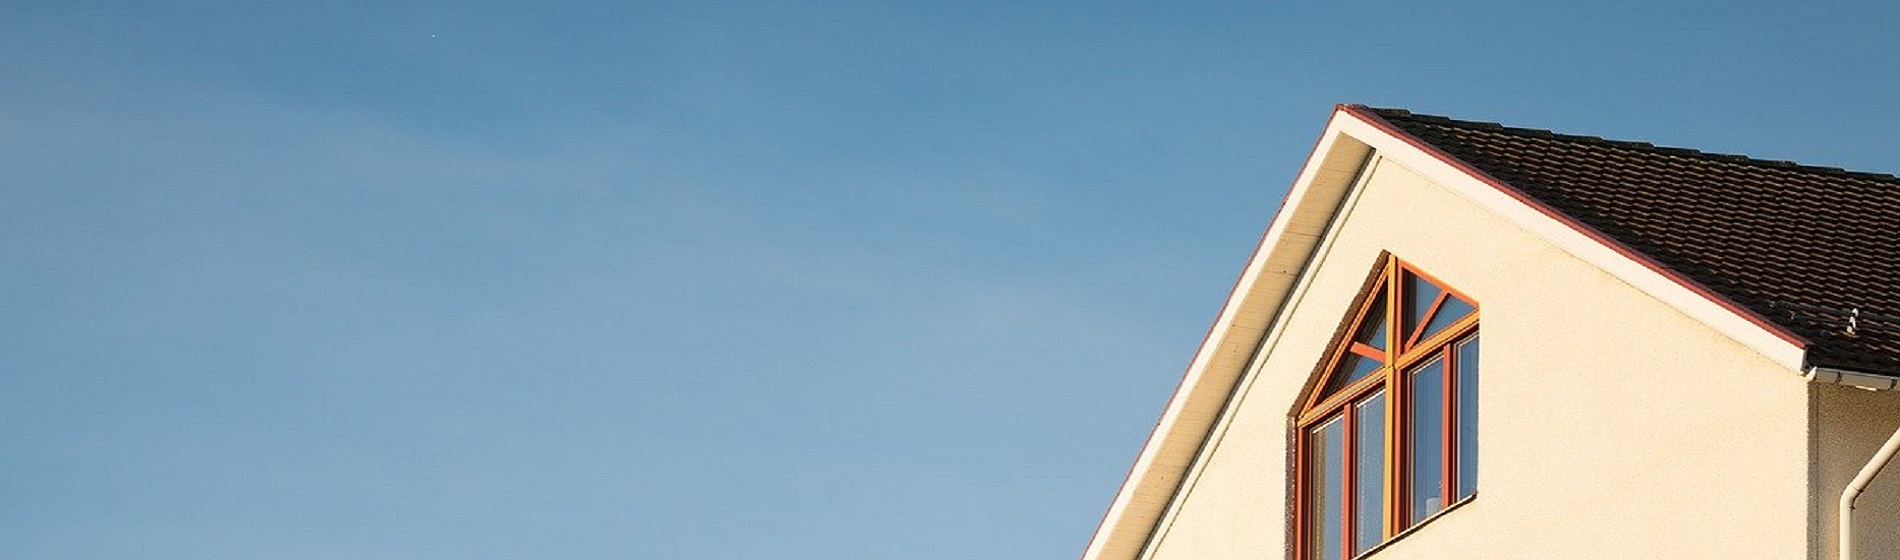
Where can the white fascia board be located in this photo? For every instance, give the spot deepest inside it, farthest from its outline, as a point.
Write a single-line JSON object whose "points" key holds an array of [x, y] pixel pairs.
{"points": [[1268, 344], [1202, 394], [1677, 291]]}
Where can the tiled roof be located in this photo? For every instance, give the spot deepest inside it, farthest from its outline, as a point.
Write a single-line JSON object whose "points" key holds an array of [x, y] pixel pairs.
{"points": [[1814, 250]]}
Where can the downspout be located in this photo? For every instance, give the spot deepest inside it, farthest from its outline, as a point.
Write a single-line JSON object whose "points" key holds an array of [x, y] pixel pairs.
{"points": [[1867, 473]]}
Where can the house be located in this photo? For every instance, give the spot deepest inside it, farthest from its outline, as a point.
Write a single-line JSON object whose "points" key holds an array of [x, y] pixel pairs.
{"points": [[1684, 355]]}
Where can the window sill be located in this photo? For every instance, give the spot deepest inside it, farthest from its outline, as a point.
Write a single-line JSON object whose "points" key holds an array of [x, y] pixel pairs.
{"points": [[1416, 526]]}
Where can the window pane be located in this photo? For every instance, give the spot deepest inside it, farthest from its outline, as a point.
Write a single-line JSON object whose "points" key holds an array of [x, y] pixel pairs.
{"points": [[1449, 312], [1368, 496], [1328, 490], [1427, 460], [1418, 296], [1352, 368], [1372, 332], [1468, 417]]}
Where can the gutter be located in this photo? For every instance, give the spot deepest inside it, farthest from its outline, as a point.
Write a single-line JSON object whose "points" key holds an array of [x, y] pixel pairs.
{"points": [[1871, 382], [1868, 381]]}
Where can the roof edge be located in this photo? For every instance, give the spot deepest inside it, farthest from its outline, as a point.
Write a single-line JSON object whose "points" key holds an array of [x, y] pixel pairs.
{"points": [[1175, 442], [1637, 145]]}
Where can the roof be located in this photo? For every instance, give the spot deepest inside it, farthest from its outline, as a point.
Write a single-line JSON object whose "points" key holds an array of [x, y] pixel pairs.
{"points": [[1812, 250]]}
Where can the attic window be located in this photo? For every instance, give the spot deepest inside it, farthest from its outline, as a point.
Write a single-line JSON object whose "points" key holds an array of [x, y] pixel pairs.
{"points": [[1389, 437]]}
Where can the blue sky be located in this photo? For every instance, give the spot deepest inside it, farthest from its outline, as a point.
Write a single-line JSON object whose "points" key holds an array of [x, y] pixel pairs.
{"points": [[718, 279]]}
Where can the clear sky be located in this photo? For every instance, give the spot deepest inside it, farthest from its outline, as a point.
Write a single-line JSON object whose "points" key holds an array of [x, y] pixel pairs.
{"points": [[719, 280]]}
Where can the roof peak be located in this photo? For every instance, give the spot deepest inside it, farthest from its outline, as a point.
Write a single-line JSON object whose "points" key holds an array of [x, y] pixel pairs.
{"points": [[1389, 113]]}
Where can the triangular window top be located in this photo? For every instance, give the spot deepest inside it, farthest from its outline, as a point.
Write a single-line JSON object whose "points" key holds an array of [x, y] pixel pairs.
{"points": [[1423, 311]]}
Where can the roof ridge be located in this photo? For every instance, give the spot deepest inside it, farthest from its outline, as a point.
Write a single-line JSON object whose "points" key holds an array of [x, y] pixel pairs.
{"points": [[1628, 144]]}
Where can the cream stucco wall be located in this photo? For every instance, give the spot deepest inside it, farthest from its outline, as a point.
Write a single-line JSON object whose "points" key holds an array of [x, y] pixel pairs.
{"points": [[1851, 424], [1613, 425]]}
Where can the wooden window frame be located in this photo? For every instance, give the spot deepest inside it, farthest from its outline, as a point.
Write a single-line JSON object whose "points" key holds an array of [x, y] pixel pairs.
{"points": [[1405, 353]]}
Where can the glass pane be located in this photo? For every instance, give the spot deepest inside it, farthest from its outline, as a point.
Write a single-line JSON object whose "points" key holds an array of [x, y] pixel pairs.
{"points": [[1468, 417], [1368, 494], [1372, 333], [1352, 368], [1427, 460], [1328, 498], [1449, 312], [1418, 298]]}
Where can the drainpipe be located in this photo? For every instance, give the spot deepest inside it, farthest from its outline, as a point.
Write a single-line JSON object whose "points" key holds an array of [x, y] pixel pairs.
{"points": [[1873, 466]]}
